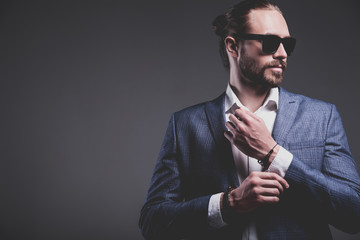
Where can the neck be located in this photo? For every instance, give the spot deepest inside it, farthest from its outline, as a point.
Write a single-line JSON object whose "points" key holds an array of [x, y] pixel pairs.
{"points": [[251, 95]]}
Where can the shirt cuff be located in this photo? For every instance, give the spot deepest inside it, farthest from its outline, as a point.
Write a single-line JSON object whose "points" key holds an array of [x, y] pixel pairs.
{"points": [[281, 162], [214, 212]]}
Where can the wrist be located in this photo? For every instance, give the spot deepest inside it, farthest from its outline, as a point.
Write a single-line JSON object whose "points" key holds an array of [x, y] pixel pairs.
{"points": [[269, 157], [227, 212], [273, 154]]}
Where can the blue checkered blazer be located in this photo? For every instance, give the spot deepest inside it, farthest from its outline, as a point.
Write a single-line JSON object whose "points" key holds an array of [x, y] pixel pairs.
{"points": [[196, 161]]}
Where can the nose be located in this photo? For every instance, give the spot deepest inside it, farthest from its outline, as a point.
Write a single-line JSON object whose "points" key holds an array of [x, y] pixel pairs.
{"points": [[280, 52]]}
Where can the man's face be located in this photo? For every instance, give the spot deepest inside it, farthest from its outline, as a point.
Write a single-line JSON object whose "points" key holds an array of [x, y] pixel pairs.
{"points": [[256, 66]]}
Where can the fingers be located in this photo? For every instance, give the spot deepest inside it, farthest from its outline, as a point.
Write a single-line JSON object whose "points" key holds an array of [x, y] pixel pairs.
{"points": [[275, 192], [267, 188], [271, 176], [236, 123], [245, 115], [236, 128], [268, 199], [233, 133], [273, 184], [267, 184], [231, 126], [238, 120], [242, 118]]}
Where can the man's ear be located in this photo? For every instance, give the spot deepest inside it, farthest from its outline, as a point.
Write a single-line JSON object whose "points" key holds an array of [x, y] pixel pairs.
{"points": [[231, 46]]}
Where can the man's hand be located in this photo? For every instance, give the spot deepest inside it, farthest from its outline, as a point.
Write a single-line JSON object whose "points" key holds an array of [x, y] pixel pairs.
{"points": [[258, 188], [250, 135]]}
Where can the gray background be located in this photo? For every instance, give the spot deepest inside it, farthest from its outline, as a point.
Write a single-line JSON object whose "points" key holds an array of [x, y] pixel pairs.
{"points": [[87, 89]]}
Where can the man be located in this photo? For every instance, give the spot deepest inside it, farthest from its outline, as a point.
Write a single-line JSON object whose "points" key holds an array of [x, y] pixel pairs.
{"points": [[258, 162]]}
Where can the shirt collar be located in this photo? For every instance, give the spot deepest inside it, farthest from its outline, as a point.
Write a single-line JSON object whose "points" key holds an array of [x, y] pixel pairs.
{"points": [[232, 102]]}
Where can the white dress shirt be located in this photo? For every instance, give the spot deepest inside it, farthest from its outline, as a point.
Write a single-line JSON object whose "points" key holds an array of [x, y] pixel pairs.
{"points": [[245, 164]]}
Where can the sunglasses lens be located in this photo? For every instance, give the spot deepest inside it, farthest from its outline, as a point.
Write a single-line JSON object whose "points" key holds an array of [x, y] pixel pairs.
{"points": [[289, 45], [270, 44]]}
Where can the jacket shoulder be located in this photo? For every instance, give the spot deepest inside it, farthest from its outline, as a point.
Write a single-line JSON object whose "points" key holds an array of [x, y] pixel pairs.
{"points": [[198, 111], [306, 102]]}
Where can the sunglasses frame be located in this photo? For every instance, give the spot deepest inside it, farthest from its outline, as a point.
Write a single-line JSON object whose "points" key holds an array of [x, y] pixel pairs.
{"points": [[288, 42]]}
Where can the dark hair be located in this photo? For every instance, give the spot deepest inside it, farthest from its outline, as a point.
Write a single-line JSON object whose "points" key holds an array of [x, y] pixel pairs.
{"points": [[234, 21]]}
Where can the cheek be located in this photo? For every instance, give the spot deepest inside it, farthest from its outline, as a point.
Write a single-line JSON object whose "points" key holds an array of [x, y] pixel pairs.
{"points": [[261, 64], [265, 61], [251, 49]]}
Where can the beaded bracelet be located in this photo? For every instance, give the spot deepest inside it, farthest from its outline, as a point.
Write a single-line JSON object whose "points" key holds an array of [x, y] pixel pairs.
{"points": [[227, 212]]}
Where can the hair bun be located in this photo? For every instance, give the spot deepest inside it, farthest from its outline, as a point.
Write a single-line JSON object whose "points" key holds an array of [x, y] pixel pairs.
{"points": [[219, 24]]}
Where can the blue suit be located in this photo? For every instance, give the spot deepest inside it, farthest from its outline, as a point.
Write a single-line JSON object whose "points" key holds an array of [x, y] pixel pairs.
{"points": [[196, 161]]}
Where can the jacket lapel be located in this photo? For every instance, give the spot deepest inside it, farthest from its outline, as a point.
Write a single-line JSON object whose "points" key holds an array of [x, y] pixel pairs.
{"points": [[288, 106], [216, 118]]}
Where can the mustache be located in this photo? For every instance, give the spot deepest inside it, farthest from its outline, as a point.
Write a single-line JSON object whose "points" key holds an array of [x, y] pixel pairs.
{"points": [[276, 63]]}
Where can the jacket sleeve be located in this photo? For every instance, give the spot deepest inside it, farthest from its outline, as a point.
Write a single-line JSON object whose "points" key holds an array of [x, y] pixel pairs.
{"points": [[165, 214], [335, 190]]}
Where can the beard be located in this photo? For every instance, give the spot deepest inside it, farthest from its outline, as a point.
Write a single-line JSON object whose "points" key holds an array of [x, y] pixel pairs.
{"points": [[252, 71]]}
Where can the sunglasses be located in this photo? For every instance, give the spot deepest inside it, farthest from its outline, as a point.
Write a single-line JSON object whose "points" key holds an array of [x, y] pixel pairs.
{"points": [[271, 43]]}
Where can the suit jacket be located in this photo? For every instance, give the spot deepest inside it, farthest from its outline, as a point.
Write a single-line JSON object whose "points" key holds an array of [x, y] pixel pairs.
{"points": [[196, 161]]}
